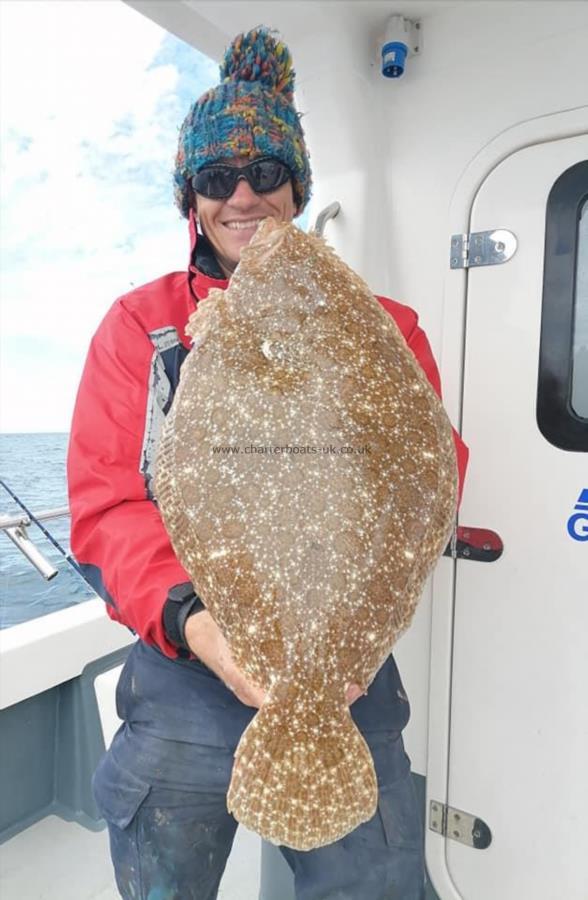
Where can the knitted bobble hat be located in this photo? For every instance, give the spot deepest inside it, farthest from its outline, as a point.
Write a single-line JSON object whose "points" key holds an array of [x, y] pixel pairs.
{"points": [[250, 113]]}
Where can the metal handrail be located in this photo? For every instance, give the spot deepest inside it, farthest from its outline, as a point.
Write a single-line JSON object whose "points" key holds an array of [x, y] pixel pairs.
{"points": [[22, 519], [329, 212], [15, 528]]}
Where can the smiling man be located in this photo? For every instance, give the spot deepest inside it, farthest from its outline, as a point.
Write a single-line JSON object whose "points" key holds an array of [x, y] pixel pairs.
{"points": [[253, 191], [184, 703]]}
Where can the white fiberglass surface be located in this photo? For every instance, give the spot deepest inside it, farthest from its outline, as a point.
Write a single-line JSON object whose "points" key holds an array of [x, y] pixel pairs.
{"points": [[519, 723]]}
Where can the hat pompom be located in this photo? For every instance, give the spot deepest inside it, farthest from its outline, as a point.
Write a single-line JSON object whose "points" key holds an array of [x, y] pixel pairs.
{"points": [[258, 56], [250, 113]]}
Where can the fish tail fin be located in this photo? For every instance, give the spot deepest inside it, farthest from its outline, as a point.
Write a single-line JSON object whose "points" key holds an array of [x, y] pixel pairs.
{"points": [[303, 774]]}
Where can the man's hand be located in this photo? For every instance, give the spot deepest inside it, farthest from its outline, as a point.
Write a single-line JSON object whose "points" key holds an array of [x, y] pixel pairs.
{"points": [[206, 641]]}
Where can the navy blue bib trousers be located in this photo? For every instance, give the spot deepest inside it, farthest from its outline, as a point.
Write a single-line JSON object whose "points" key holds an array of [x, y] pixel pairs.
{"points": [[162, 785]]}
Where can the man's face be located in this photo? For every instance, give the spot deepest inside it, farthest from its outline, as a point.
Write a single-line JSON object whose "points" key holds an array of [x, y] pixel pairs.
{"points": [[230, 224]]}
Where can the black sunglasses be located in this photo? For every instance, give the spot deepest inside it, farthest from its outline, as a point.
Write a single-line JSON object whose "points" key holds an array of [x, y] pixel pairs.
{"points": [[218, 181]]}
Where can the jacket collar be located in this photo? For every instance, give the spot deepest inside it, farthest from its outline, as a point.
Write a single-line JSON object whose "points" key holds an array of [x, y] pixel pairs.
{"points": [[204, 271]]}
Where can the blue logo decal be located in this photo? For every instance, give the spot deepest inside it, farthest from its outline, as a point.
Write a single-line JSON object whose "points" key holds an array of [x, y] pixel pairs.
{"points": [[578, 522]]}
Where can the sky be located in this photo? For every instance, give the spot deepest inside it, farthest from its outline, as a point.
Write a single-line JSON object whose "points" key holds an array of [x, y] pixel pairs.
{"points": [[92, 95]]}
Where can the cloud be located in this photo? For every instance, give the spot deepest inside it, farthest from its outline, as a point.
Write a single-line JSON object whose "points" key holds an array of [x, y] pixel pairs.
{"points": [[91, 100]]}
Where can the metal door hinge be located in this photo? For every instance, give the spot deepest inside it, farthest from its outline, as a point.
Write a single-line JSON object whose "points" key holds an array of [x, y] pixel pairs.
{"points": [[481, 248], [459, 825]]}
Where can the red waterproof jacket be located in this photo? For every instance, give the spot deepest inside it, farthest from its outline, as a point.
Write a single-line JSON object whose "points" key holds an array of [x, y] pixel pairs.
{"points": [[127, 387]]}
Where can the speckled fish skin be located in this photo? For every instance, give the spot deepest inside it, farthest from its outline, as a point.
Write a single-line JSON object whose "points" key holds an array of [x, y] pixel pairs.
{"points": [[311, 562]]}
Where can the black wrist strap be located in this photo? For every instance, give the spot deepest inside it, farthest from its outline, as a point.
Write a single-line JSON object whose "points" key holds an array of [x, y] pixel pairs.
{"points": [[195, 605], [181, 602]]}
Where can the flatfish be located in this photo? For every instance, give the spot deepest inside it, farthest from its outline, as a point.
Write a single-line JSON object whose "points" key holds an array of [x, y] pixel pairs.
{"points": [[307, 477]]}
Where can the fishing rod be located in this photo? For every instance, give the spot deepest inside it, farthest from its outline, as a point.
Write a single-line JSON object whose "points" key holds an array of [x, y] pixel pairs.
{"points": [[19, 537]]}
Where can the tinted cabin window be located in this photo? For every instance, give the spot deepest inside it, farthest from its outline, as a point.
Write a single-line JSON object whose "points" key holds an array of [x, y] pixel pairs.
{"points": [[580, 363], [562, 400]]}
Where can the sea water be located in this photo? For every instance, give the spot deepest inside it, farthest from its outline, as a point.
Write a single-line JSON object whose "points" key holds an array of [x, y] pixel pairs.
{"points": [[33, 467]]}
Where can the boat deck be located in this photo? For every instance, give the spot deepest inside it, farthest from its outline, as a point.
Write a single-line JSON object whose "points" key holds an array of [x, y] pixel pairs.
{"points": [[61, 859]]}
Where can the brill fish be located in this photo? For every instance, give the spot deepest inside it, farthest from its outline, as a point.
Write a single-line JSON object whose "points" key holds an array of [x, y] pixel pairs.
{"points": [[307, 477]]}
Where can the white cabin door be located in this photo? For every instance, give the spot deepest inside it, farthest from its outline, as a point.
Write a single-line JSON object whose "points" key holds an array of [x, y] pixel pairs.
{"points": [[518, 756]]}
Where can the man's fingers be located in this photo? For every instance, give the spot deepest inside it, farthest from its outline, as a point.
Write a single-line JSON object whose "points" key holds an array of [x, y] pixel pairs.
{"points": [[247, 693], [353, 692]]}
